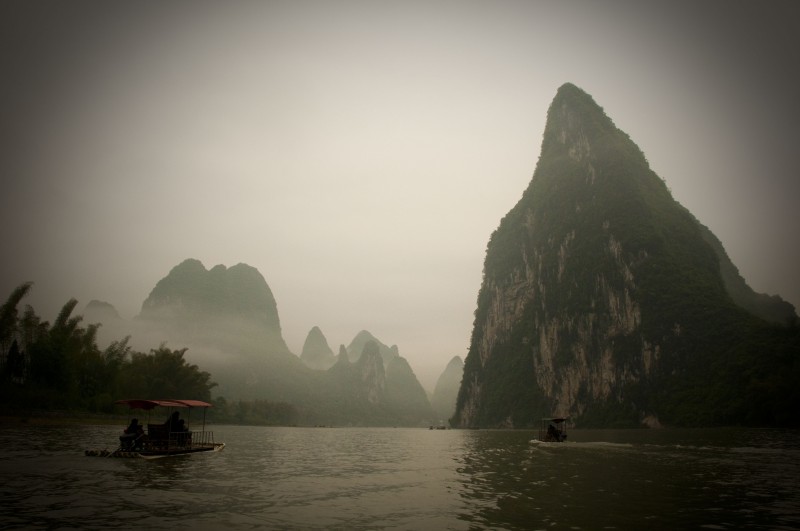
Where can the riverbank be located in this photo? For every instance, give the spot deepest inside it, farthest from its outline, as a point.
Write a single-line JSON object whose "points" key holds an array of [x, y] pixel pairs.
{"points": [[60, 417]]}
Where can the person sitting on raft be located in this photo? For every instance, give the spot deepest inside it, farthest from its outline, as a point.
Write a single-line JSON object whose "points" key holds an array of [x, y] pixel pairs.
{"points": [[131, 434]]}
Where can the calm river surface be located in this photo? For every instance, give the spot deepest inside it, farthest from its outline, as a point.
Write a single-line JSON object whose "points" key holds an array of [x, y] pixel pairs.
{"points": [[384, 478]]}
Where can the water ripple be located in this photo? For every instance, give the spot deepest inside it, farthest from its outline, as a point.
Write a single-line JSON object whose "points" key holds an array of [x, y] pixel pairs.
{"points": [[351, 478]]}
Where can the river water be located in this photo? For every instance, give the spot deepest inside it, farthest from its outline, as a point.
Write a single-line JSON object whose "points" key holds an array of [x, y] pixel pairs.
{"points": [[402, 478]]}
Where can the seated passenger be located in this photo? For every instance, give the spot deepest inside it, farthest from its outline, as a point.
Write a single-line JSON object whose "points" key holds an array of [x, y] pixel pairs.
{"points": [[172, 422], [131, 434], [552, 432]]}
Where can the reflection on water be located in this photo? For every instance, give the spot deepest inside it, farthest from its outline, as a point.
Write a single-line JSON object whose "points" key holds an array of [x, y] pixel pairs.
{"points": [[353, 478], [633, 479]]}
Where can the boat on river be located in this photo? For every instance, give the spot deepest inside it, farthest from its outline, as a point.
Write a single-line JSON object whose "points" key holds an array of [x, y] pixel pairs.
{"points": [[553, 429], [165, 439]]}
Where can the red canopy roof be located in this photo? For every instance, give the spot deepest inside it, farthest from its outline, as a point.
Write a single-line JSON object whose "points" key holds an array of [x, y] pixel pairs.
{"points": [[137, 403]]}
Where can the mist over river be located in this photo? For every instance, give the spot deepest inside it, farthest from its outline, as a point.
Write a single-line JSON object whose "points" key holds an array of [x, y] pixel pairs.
{"points": [[402, 478]]}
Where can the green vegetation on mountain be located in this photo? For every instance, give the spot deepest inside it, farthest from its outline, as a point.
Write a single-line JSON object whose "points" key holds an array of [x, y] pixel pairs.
{"points": [[604, 299]]}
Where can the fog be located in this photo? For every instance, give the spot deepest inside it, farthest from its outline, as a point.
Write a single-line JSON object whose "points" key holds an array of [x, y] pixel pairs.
{"points": [[359, 154]]}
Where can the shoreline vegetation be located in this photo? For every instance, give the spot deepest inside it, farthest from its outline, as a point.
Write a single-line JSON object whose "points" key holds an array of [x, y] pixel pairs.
{"points": [[67, 417], [57, 373], [56, 417]]}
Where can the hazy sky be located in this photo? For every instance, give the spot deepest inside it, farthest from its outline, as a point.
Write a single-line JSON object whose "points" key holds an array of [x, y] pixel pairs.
{"points": [[360, 153]]}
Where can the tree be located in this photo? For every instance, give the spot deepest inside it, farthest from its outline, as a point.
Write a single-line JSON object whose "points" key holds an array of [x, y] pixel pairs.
{"points": [[164, 373], [8, 317], [44, 366], [15, 364]]}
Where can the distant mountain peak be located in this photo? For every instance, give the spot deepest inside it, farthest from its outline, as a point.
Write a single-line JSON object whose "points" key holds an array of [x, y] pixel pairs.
{"points": [[193, 298], [317, 354], [356, 347], [100, 311], [240, 289]]}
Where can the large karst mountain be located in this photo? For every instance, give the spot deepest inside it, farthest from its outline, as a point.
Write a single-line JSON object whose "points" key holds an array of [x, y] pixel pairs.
{"points": [[227, 317], [606, 300], [217, 305]]}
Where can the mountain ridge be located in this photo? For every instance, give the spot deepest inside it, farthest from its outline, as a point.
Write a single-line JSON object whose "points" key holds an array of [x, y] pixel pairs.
{"points": [[228, 320]]}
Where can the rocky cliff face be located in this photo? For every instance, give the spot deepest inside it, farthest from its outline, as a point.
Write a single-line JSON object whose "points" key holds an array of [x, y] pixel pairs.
{"points": [[602, 297], [356, 347], [371, 375]]}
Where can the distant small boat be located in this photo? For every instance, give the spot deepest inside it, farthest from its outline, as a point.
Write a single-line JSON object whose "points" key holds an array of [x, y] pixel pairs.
{"points": [[170, 438], [553, 429]]}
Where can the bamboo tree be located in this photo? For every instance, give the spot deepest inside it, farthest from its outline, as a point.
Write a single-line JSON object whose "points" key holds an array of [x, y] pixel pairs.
{"points": [[8, 316]]}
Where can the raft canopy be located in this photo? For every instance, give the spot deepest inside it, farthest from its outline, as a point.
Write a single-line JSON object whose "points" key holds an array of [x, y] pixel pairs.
{"points": [[138, 403]]}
